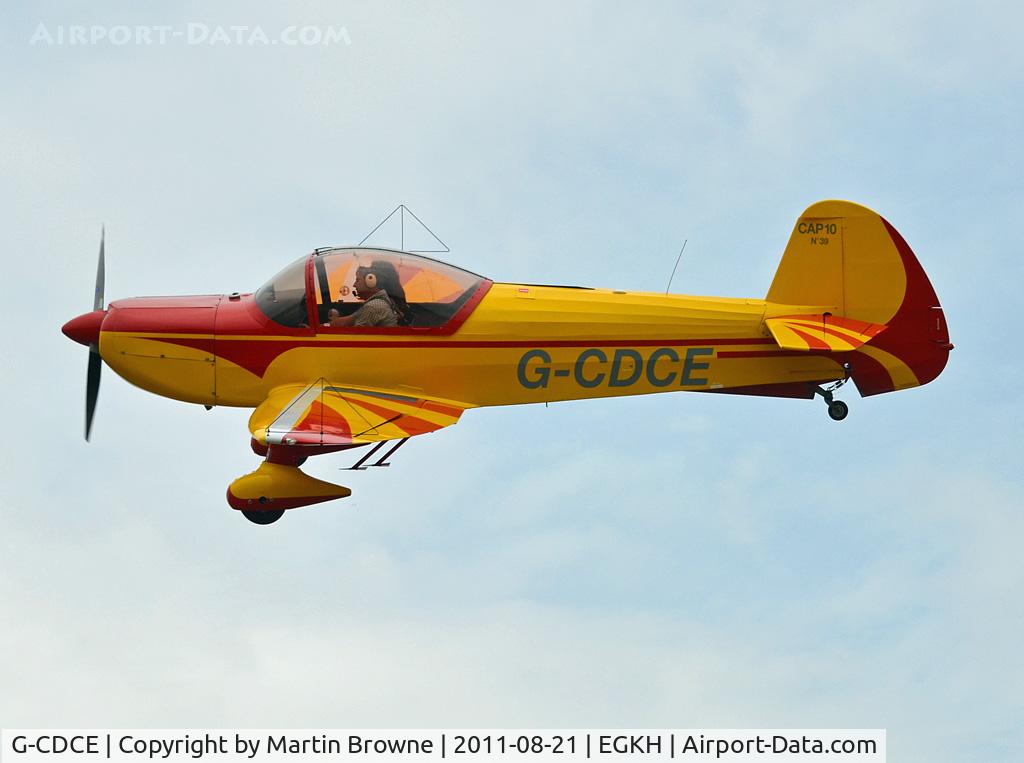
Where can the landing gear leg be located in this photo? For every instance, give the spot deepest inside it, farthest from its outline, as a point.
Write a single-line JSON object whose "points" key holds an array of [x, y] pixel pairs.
{"points": [[837, 409]]}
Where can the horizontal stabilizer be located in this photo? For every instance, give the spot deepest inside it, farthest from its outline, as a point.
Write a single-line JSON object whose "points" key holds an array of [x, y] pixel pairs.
{"points": [[821, 332]]}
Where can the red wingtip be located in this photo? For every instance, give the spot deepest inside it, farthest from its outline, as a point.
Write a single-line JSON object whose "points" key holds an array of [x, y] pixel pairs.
{"points": [[85, 329]]}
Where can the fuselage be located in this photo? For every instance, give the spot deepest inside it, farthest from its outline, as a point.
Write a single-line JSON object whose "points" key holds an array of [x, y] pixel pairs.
{"points": [[517, 344]]}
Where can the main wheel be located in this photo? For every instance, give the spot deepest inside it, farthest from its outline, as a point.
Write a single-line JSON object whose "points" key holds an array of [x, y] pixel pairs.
{"points": [[837, 410], [263, 517]]}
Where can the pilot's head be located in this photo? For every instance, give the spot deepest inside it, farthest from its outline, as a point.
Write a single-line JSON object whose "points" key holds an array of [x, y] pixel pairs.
{"points": [[379, 275], [367, 282]]}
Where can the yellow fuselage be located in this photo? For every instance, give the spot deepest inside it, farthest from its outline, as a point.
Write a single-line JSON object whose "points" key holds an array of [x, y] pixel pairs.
{"points": [[521, 344]]}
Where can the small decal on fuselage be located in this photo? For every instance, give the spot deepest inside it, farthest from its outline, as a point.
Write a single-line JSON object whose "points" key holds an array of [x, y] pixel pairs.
{"points": [[594, 367]]}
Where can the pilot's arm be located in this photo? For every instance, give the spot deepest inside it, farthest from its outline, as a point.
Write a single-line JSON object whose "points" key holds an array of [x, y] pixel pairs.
{"points": [[336, 319]]}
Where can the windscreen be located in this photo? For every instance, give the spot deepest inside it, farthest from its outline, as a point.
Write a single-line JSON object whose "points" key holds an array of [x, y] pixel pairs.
{"points": [[283, 297]]}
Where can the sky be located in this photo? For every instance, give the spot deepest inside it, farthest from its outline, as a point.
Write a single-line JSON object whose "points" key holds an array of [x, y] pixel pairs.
{"points": [[661, 561]]}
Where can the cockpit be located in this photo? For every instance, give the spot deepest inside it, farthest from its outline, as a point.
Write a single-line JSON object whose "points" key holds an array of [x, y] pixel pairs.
{"points": [[428, 293]]}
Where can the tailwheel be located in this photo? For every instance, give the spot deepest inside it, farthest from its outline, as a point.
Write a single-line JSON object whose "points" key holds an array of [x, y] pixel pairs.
{"points": [[837, 410], [263, 517]]}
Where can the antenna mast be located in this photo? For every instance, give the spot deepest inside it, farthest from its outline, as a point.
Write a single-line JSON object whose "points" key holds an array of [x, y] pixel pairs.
{"points": [[676, 266]]}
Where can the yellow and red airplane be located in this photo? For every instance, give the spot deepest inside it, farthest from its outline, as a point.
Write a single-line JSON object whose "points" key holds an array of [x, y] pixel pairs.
{"points": [[849, 301]]}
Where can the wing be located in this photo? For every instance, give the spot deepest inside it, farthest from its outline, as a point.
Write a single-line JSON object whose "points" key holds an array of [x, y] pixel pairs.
{"points": [[821, 332], [331, 414]]}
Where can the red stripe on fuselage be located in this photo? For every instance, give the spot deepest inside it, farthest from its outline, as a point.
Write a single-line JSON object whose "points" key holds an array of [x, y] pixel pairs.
{"points": [[768, 353], [256, 355], [870, 376]]}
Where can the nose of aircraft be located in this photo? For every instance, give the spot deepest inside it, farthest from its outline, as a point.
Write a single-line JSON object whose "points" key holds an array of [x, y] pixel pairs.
{"points": [[85, 329]]}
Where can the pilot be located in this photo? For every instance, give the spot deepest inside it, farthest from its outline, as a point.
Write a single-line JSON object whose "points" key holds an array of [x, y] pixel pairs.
{"points": [[383, 298]]}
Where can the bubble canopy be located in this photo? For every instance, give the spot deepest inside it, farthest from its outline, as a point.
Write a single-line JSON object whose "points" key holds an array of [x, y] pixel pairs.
{"points": [[431, 293]]}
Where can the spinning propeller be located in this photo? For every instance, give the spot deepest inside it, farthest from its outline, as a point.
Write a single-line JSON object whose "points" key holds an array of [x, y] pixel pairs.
{"points": [[85, 329]]}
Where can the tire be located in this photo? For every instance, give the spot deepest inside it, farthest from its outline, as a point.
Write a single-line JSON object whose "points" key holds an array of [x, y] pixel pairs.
{"points": [[263, 517], [837, 410]]}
